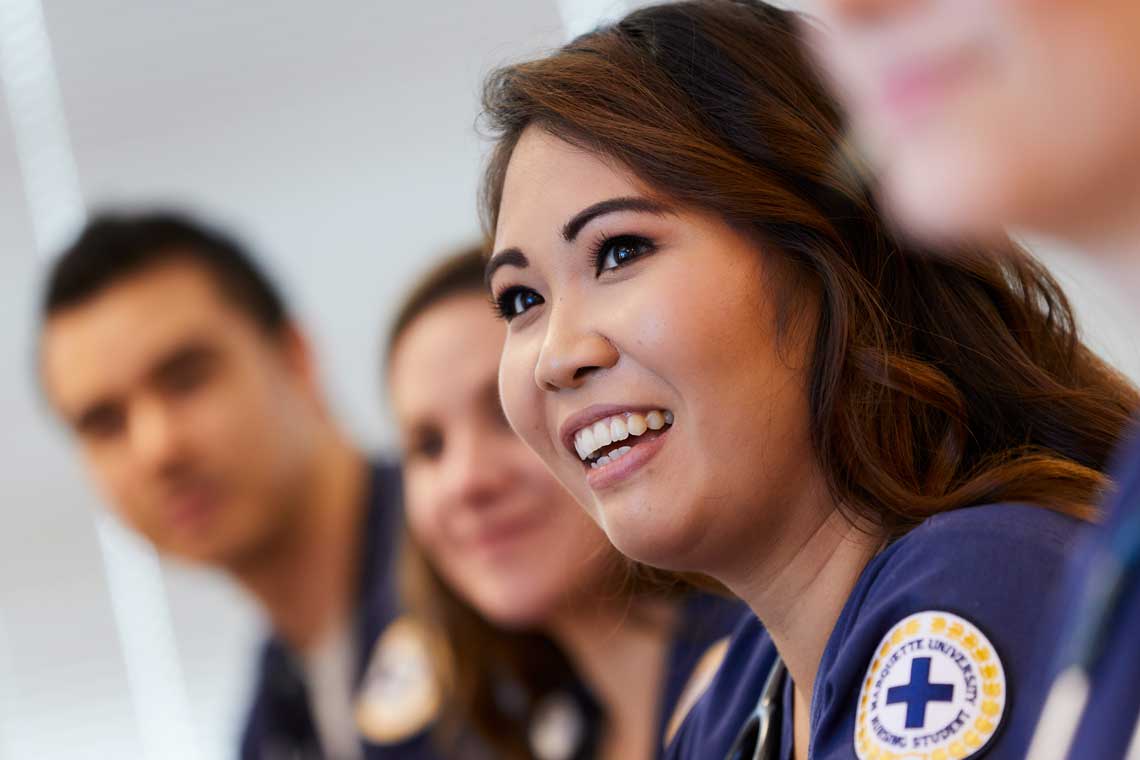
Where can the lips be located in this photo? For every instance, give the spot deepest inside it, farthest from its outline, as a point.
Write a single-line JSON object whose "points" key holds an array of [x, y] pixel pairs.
{"points": [[588, 433], [613, 441], [911, 89], [191, 509], [503, 533]]}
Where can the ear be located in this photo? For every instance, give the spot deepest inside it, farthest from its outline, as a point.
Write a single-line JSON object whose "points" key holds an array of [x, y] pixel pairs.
{"points": [[299, 357]]}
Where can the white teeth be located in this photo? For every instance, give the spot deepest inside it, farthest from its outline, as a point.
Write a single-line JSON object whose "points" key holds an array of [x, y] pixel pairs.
{"points": [[637, 424], [588, 443], [612, 457], [602, 434], [617, 428]]}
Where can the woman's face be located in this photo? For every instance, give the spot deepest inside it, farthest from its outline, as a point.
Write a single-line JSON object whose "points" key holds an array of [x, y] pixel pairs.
{"points": [[488, 515], [642, 361], [984, 112]]}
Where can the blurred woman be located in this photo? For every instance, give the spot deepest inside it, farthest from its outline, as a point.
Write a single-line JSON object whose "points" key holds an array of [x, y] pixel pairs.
{"points": [[1024, 113], [551, 646], [884, 452]]}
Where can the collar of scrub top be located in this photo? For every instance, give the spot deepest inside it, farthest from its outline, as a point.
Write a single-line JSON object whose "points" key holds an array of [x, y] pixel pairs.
{"points": [[1112, 567], [760, 737]]}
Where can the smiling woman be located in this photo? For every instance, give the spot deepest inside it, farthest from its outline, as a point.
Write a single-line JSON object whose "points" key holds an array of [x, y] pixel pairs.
{"points": [[837, 422], [549, 644]]}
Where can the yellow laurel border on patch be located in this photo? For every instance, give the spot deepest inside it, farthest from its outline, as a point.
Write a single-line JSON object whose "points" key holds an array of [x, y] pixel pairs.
{"points": [[391, 721], [990, 672]]}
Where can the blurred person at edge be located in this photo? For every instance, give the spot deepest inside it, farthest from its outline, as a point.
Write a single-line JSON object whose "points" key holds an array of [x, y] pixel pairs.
{"points": [[551, 646], [193, 396], [979, 114]]}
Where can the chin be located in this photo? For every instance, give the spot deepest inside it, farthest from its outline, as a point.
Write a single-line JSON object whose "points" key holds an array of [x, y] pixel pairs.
{"points": [[516, 609], [939, 201], [659, 538]]}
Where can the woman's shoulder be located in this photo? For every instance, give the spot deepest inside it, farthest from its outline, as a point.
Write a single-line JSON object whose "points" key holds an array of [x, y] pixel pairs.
{"points": [[1027, 524], [714, 721], [940, 639]]}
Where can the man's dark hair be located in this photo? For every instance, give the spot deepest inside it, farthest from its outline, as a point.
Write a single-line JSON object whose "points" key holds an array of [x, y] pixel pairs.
{"points": [[117, 246]]}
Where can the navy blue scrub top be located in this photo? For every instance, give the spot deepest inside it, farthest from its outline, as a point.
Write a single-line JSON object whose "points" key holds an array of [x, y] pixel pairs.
{"points": [[280, 723], [930, 657], [1109, 721]]}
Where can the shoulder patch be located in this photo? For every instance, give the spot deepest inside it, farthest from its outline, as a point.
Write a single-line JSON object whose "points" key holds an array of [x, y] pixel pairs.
{"points": [[934, 690], [400, 695], [557, 728], [699, 681]]}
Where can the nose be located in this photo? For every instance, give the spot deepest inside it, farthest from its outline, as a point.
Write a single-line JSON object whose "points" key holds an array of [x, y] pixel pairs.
{"points": [[155, 437], [571, 351], [862, 11], [474, 474]]}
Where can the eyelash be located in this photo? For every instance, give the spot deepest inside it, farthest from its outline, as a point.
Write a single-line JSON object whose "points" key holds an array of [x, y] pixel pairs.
{"points": [[600, 250], [607, 243]]}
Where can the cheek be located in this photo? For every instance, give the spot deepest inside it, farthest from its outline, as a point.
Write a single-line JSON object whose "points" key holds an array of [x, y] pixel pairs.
{"points": [[522, 400], [424, 514]]}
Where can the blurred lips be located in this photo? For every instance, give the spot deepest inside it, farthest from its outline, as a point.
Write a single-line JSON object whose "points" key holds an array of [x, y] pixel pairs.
{"points": [[190, 508], [501, 534], [909, 91]]}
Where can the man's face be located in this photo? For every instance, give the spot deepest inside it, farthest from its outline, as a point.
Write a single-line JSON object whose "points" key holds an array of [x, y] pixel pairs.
{"points": [[196, 422]]}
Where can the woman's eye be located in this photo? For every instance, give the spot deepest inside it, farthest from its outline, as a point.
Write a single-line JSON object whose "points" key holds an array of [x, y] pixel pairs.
{"points": [[514, 301], [619, 251], [426, 446]]}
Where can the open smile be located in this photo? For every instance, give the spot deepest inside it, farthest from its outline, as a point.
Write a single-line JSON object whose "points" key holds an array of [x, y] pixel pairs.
{"points": [[614, 442]]}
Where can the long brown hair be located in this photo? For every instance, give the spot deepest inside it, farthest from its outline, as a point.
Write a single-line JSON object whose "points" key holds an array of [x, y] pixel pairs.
{"points": [[938, 379], [491, 676]]}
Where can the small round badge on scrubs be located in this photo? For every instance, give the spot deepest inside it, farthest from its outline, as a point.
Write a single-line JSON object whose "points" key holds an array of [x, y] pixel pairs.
{"points": [[935, 690], [400, 695]]}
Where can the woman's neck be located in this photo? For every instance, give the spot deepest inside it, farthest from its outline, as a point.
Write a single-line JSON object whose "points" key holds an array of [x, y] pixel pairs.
{"points": [[798, 590], [620, 650]]}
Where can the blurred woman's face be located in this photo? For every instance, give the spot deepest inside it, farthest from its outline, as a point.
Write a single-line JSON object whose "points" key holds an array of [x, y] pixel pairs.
{"points": [[984, 112], [642, 361], [488, 515]]}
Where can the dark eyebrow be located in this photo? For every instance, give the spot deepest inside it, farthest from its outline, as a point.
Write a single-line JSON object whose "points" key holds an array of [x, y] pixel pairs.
{"points": [[516, 258], [588, 214], [190, 355], [512, 257]]}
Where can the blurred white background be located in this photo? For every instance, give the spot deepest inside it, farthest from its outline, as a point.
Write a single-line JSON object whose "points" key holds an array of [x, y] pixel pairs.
{"points": [[338, 140]]}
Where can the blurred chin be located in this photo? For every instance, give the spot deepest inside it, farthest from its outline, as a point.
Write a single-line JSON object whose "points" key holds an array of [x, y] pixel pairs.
{"points": [[514, 606], [943, 192]]}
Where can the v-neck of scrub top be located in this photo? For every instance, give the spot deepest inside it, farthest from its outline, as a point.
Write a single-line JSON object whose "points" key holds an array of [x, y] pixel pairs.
{"points": [[788, 721]]}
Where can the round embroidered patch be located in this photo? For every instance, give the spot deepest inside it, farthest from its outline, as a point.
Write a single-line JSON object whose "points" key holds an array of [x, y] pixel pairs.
{"points": [[935, 690], [400, 695]]}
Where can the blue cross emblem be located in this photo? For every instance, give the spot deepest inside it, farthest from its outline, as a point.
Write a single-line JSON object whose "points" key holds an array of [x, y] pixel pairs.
{"points": [[919, 692]]}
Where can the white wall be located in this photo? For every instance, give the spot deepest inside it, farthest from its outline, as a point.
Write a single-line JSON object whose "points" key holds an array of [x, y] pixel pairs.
{"points": [[338, 139]]}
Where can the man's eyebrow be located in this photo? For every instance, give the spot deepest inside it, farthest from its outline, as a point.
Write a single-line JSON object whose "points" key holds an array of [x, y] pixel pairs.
{"points": [[184, 356], [512, 257], [571, 229]]}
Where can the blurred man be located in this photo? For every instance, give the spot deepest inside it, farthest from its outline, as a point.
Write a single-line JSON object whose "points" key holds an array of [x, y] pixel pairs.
{"points": [[194, 399]]}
